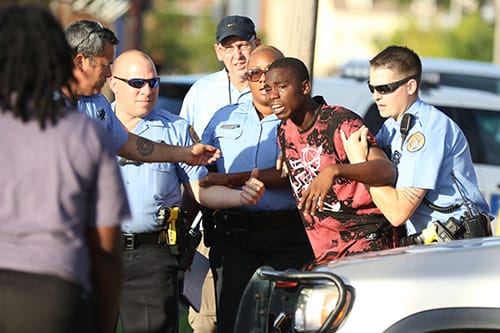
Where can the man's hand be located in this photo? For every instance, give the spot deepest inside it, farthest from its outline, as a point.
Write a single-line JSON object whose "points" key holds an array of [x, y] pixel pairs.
{"points": [[253, 189], [200, 154], [356, 147], [314, 196], [280, 165]]}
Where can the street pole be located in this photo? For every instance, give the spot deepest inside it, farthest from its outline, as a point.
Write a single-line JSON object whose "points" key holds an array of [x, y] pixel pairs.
{"points": [[292, 28], [496, 35]]}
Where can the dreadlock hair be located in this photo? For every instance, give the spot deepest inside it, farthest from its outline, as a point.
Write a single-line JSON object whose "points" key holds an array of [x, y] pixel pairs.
{"points": [[35, 63]]}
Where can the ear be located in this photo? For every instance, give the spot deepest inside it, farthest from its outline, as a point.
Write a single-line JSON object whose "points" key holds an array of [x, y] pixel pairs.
{"points": [[258, 42], [412, 87], [218, 52], [112, 84], [78, 62], [306, 87]]}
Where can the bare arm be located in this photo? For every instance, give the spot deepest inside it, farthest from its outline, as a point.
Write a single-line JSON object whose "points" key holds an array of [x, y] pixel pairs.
{"points": [[222, 197], [106, 274], [397, 204], [270, 177], [377, 170], [137, 148]]}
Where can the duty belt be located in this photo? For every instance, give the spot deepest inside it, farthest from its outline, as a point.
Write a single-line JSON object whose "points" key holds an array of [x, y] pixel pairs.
{"points": [[231, 219], [133, 241]]}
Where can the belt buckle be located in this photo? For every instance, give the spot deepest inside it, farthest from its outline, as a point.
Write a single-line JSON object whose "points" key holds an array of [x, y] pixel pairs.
{"points": [[129, 241]]}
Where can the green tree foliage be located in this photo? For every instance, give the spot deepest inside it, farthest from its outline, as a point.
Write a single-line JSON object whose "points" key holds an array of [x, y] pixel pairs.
{"points": [[471, 39], [180, 43]]}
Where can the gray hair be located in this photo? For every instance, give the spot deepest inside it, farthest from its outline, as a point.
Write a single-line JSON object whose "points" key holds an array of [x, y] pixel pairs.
{"points": [[89, 37]]}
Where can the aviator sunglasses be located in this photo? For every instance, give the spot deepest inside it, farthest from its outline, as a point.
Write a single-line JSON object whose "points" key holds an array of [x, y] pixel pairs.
{"points": [[139, 83], [253, 75], [388, 88]]}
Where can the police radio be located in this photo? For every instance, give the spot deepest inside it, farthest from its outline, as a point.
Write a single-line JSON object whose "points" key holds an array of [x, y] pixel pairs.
{"points": [[405, 126]]}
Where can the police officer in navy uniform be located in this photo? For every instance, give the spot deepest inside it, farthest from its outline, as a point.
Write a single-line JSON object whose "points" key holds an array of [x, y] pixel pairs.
{"points": [[149, 301], [436, 178]]}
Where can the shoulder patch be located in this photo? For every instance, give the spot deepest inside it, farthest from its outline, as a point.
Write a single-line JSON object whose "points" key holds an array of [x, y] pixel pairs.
{"points": [[415, 142]]}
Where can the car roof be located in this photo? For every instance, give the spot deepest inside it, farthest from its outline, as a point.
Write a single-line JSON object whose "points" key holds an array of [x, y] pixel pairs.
{"points": [[355, 95], [359, 67]]}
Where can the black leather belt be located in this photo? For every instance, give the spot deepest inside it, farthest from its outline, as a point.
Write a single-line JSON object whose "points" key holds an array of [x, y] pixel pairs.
{"points": [[133, 241], [258, 220]]}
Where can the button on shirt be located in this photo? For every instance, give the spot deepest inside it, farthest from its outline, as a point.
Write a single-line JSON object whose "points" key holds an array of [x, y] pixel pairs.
{"points": [[152, 185], [247, 142], [207, 95], [98, 108], [434, 148]]}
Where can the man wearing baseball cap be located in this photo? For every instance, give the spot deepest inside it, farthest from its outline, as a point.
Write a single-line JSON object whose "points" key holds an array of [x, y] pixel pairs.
{"points": [[235, 39]]}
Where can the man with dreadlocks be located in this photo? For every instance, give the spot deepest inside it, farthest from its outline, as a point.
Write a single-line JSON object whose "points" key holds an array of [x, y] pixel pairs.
{"points": [[60, 262], [93, 52]]}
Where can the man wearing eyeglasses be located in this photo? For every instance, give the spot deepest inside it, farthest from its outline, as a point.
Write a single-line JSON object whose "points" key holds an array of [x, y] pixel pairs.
{"points": [[235, 39], [93, 53], [428, 149], [149, 301]]}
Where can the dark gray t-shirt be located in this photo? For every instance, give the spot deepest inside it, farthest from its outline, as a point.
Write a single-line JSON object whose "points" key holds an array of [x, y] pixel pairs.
{"points": [[54, 185]]}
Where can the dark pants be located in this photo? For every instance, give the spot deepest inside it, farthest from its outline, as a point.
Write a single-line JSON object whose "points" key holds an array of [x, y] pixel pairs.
{"points": [[42, 303], [150, 297], [234, 259]]}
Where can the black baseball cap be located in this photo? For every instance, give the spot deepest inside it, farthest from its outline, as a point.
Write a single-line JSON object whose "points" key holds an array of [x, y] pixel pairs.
{"points": [[235, 25]]}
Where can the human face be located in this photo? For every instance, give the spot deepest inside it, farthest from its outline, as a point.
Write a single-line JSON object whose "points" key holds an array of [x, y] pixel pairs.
{"points": [[94, 70], [234, 52], [132, 101], [257, 68], [392, 104], [285, 95]]}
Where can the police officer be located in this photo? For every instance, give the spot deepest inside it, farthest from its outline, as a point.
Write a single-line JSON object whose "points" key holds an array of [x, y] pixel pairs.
{"points": [[269, 233], [436, 179], [149, 300], [93, 53], [235, 38]]}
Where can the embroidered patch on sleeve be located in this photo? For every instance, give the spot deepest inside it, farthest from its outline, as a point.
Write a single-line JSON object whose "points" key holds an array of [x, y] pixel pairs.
{"points": [[415, 142]]}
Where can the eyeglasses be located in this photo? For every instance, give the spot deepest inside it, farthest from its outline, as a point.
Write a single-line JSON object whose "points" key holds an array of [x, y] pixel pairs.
{"points": [[253, 75], [242, 47], [388, 88], [139, 83], [96, 29]]}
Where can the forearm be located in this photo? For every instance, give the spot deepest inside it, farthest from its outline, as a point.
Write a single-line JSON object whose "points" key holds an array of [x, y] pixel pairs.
{"points": [[376, 172], [270, 177], [106, 274], [137, 148], [219, 197], [397, 204]]}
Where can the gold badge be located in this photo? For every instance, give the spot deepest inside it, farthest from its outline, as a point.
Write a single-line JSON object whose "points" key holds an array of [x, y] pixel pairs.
{"points": [[415, 142]]}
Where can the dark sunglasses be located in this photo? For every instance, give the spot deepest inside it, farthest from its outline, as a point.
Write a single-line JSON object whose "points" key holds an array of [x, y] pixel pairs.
{"points": [[388, 88], [253, 75], [139, 83]]}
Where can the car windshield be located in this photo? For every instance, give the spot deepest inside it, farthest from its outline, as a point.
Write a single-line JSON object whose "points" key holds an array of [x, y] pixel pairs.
{"points": [[490, 84]]}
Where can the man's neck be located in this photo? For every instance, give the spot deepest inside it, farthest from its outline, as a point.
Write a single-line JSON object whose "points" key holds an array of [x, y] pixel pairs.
{"points": [[127, 121]]}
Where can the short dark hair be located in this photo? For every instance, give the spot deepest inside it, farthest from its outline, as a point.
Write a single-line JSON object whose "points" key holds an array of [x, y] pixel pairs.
{"points": [[35, 64], [399, 58], [89, 37], [296, 67]]}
